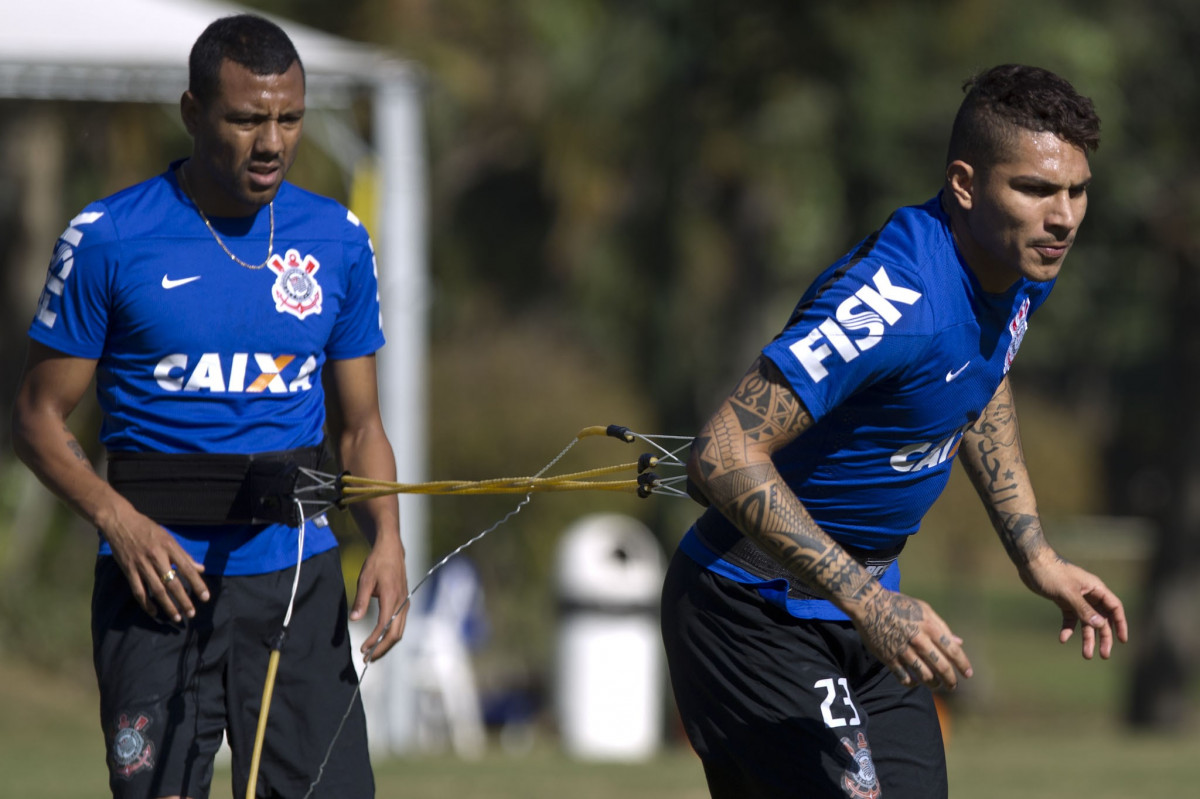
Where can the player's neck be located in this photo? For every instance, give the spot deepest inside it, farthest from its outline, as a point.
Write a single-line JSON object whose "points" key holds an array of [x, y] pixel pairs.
{"points": [[993, 277], [208, 196]]}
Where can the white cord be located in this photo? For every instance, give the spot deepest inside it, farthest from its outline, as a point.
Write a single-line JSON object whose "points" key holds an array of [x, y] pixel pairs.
{"points": [[287, 618], [369, 660], [670, 456]]}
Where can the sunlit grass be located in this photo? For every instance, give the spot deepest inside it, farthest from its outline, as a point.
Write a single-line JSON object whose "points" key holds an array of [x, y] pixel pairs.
{"points": [[1036, 721]]}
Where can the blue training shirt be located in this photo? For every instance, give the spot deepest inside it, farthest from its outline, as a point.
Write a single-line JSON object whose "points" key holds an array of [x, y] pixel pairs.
{"points": [[895, 350], [196, 353]]}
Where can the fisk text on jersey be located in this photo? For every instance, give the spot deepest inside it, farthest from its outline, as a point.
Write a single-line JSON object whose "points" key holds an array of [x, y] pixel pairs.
{"points": [[867, 310]]}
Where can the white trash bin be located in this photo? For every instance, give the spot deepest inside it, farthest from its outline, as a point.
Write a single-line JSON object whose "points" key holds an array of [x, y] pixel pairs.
{"points": [[609, 673]]}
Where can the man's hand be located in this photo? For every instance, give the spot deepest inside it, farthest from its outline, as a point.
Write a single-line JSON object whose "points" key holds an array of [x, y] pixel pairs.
{"points": [[161, 574], [991, 454], [365, 450], [731, 466], [1084, 599], [384, 578], [909, 638]]}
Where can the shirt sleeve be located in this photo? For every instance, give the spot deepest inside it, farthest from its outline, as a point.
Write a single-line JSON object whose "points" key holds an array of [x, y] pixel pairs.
{"points": [[73, 310], [860, 327], [359, 327]]}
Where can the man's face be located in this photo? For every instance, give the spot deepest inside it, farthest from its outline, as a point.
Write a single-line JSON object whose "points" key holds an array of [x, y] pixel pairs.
{"points": [[244, 139], [1021, 215]]}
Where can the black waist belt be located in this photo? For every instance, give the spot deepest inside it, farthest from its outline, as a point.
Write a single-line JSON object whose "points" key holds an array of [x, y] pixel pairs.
{"points": [[208, 488], [732, 546]]}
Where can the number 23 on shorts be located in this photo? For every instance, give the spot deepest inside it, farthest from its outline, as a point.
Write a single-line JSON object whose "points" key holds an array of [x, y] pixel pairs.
{"points": [[837, 708]]}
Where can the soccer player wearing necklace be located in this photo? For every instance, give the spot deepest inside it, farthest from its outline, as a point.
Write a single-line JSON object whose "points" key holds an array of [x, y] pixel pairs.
{"points": [[208, 325]]}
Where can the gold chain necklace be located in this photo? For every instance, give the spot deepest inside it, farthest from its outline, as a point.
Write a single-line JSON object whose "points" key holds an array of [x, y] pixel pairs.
{"points": [[270, 239]]}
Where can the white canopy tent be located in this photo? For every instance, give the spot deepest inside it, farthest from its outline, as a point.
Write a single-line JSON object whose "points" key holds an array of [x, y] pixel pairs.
{"points": [[136, 51]]}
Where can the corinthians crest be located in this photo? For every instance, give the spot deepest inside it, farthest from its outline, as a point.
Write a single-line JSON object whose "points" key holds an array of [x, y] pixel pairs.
{"points": [[862, 782], [1016, 328], [131, 751], [296, 291]]}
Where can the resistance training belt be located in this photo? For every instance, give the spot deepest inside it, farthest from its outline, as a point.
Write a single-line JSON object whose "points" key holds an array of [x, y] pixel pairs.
{"points": [[207, 488]]}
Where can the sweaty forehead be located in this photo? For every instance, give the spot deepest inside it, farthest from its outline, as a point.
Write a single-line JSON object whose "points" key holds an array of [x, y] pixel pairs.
{"points": [[238, 86], [1042, 155]]}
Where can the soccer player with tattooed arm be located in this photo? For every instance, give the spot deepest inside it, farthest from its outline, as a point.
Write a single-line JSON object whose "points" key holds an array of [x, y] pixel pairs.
{"points": [[798, 667]]}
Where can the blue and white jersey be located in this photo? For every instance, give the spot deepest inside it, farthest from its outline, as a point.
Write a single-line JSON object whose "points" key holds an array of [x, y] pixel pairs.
{"points": [[196, 353], [895, 350]]}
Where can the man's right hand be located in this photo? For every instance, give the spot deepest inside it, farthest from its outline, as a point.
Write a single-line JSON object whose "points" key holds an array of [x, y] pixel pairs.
{"points": [[731, 465], [909, 638], [161, 575]]}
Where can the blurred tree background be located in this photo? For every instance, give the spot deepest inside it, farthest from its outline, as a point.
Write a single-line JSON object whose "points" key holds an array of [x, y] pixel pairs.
{"points": [[627, 198]]}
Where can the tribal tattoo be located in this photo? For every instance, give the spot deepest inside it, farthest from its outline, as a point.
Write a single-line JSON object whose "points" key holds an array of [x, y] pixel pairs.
{"points": [[732, 456], [891, 621]]}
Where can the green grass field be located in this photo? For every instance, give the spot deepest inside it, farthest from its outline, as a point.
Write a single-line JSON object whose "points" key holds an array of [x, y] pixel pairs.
{"points": [[1035, 722], [50, 749]]}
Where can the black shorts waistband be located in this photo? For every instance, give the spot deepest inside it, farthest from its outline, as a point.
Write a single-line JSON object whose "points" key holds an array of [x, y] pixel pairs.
{"points": [[213, 488], [727, 541]]}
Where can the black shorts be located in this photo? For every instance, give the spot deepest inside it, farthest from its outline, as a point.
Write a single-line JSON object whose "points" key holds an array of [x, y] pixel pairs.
{"points": [[782, 707], [167, 692]]}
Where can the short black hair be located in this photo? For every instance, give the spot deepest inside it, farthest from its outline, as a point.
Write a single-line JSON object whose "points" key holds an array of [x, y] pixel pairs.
{"points": [[249, 40], [1008, 97]]}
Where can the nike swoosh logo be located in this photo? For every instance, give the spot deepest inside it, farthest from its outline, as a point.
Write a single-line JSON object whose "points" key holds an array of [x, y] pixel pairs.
{"points": [[168, 283], [951, 375]]}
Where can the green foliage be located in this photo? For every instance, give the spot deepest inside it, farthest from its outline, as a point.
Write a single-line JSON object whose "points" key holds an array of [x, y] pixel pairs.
{"points": [[627, 198]]}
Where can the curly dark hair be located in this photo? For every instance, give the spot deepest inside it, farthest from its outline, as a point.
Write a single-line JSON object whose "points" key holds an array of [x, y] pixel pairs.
{"points": [[1009, 97], [255, 43]]}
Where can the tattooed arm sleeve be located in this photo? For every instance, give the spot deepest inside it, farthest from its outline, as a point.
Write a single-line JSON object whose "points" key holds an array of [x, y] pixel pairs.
{"points": [[731, 464], [991, 454]]}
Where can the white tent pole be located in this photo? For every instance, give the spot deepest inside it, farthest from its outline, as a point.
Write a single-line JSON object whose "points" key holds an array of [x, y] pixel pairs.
{"points": [[401, 250]]}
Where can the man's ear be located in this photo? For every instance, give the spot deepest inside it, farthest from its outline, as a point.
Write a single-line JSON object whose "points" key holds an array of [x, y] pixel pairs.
{"points": [[189, 111], [960, 181]]}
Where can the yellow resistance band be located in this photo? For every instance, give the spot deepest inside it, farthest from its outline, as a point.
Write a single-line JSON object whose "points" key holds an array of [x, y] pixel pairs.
{"points": [[268, 689]]}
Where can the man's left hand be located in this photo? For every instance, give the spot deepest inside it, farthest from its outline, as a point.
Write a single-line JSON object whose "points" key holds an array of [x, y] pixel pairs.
{"points": [[384, 578], [1085, 602]]}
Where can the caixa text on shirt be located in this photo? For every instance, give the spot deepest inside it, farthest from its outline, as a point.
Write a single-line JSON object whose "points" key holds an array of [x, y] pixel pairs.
{"points": [[236, 373], [928, 454]]}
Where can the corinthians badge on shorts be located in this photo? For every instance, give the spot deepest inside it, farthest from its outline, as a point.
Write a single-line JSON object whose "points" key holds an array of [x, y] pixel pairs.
{"points": [[131, 751], [296, 291], [862, 782]]}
